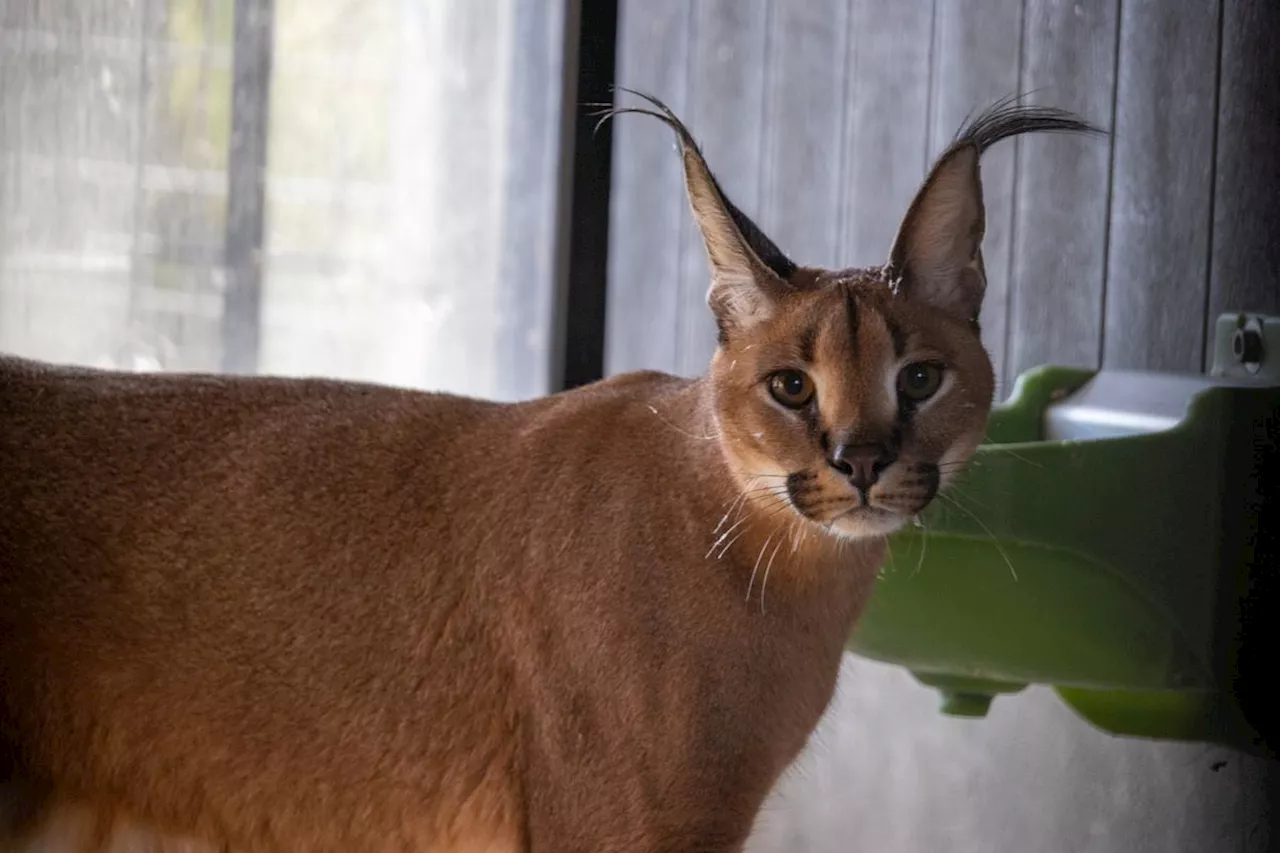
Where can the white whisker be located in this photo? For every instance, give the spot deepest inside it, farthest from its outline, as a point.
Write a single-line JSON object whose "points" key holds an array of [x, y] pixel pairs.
{"points": [[759, 557], [924, 545], [765, 583], [737, 499], [994, 541], [740, 496], [730, 544], [955, 487], [724, 536], [680, 430]]}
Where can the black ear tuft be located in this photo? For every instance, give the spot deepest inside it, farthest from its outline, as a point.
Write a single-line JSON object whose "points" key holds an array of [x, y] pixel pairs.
{"points": [[765, 249], [1007, 117]]}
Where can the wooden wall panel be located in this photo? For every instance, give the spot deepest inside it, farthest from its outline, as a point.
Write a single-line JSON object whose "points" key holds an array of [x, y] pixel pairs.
{"points": [[648, 214], [805, 113], [885, 136], [728, 62], [1060, 233], [1245, 268], [1162, 184]]}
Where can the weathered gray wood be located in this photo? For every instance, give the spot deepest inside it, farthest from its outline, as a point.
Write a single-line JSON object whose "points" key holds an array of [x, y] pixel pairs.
{"points": [[886, 131], [1245, 270], [804, 119], [649, 216], [976, 60], [1060, 229], [727, 67], [1162, 182]]}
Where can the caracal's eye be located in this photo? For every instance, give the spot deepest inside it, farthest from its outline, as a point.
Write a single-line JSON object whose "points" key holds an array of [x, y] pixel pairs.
{"points": [[919, 381], [792, 388]]}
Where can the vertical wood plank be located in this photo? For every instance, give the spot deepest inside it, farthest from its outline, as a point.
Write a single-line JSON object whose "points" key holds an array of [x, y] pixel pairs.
{"points": [[1245, 268], [977, 60], [885, 135], [804, 116], [648, 213], [727, 68], [1060, 226], [1162, 182]]}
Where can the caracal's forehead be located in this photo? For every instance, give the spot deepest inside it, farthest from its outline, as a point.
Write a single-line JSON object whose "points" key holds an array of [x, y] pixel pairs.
{"points": [[853, 319]]}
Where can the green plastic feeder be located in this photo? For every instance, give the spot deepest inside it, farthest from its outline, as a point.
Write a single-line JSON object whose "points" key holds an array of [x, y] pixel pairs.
{"points": [[1096, 543]]}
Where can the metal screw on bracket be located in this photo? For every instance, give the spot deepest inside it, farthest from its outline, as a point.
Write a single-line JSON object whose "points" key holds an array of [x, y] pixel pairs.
{"points": [[1246, 346]]}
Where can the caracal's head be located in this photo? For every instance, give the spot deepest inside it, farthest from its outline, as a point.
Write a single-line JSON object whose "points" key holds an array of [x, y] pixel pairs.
{"points": [[851, 396]]}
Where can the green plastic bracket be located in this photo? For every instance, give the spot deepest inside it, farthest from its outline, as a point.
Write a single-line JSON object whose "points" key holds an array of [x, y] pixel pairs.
{"points": [[966, 697], [1094, 544]]}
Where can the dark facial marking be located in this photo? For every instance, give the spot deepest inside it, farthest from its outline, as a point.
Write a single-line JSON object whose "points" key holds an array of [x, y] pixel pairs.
{"points": [[810, 415], [897, 436], [919, 489], [898, 336], [798, 484], [826, 502], [808, 341], [851, 315], [929, 472]]}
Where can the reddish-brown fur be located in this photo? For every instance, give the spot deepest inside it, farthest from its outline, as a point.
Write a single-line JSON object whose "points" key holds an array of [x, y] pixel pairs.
{"points": [[275, 615]]}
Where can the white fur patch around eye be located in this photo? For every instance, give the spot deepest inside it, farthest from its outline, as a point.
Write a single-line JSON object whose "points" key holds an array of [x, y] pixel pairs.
{"points": [[826, 387], [891, 388]]}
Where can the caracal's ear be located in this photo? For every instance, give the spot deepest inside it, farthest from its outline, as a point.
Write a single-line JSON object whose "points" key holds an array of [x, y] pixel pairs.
{"points": [[937, 255], [749, 274]]}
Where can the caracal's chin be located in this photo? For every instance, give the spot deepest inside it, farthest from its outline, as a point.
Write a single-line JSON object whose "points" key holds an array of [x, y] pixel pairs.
{"points": [[867, 521]]}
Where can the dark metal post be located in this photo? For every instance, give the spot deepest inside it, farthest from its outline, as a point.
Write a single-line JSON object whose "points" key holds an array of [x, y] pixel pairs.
{"points": [[582, 321]]}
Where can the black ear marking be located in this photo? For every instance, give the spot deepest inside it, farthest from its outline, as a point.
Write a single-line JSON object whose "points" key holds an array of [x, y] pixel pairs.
{"points": [[851, 314]]}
